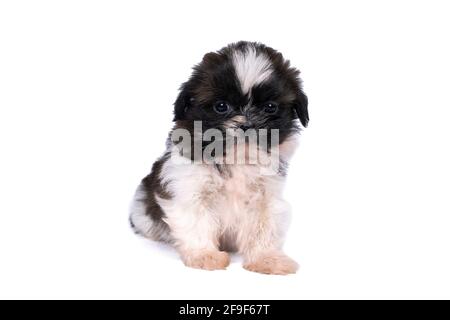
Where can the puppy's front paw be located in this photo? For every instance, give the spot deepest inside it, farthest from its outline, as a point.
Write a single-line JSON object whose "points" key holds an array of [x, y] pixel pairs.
{"points": [[272, 264], [207, 260]]}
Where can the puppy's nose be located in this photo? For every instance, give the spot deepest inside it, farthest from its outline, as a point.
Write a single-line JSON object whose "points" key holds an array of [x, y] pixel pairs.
{"points": [[245, 126]]}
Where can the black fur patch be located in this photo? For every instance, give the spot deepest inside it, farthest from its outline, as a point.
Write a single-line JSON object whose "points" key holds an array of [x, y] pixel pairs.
{"points": [[152, 186]]}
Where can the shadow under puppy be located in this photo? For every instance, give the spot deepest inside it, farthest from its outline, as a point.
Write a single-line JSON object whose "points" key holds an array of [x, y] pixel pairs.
{"points": [[209, 207]]}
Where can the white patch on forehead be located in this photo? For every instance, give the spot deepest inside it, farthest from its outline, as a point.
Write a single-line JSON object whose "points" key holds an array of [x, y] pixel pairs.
{"points": [[252, 68]]}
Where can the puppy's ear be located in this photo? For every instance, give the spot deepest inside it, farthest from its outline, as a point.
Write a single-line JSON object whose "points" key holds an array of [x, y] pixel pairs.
{"points": [[182, 104], [301, 108], [211, 58]]}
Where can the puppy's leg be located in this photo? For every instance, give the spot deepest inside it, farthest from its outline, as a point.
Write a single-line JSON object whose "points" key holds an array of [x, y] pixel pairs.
{"points": [[195, 231], [261, 243]]}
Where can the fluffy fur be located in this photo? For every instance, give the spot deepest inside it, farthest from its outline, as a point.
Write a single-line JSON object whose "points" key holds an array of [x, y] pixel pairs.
{"points": [[209, 209]]}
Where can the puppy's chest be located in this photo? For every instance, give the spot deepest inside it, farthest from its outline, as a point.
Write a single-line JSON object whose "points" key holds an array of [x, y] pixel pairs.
{"points": [[242, 189]]}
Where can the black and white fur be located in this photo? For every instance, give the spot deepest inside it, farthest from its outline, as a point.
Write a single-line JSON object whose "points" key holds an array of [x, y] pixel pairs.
{"points": [[208, 210]]}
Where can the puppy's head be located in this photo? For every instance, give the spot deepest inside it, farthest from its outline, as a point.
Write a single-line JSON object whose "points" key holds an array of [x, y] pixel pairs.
{"points": [[244, 85]]}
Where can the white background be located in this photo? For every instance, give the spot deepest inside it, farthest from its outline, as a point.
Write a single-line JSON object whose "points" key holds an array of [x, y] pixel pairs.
{"points": [[86, 93]]}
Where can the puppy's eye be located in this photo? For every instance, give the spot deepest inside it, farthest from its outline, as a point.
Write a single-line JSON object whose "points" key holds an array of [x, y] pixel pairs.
{"points": [[270, 107], [221, 107]]}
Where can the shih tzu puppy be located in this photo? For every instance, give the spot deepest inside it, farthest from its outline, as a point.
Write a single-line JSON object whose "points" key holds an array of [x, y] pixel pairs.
{"points": [[218, 187]]}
